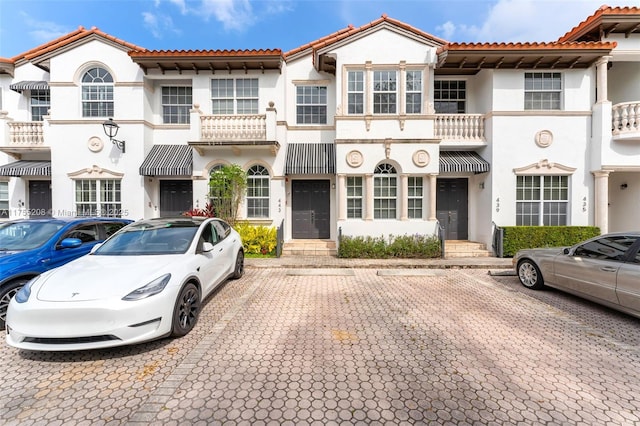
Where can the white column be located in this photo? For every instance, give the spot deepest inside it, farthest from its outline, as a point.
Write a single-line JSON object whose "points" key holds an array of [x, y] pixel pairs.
{"points": [[601, 200], [601, 79], [341, 195], [433, 188], [404, 201], [368, 214]]}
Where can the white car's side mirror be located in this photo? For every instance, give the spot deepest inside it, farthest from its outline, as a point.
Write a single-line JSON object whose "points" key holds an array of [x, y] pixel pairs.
{"points": [[207, 247]]}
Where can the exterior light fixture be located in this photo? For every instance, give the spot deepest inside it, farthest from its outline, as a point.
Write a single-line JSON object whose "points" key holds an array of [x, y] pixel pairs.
{"points": [[111, 130]]}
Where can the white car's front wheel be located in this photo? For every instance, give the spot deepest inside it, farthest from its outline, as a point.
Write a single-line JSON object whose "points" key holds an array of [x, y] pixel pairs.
{"points": [[186, 310], [529, 275]]}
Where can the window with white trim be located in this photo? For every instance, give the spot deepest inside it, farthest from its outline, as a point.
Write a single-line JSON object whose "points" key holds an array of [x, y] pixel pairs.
{"points": [[40, 103], [97, 93], [385, 192], [234, 96], [355, 92], [311, 105], [258, 192], [4, 199], [542, 200], [98, 197], [542, 90], [385, 92], [176, 104], [450, 96], [354, 197], [414, 197], [413, 93]]}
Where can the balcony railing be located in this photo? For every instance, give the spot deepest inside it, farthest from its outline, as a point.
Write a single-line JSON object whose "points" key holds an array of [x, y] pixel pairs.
{"points": [[233, 127], [462, 127], [625, 118], [26, 133]]}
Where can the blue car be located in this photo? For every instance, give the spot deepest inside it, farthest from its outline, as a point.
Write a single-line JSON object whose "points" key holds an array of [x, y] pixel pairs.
{"points": [[29, 247]]}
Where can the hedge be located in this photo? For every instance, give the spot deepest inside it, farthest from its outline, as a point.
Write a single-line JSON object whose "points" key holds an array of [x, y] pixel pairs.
{"points": [[523, 237]]}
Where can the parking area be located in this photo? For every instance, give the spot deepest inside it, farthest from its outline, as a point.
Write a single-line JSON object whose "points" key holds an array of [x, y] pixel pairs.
{"points": [[343, 345]]}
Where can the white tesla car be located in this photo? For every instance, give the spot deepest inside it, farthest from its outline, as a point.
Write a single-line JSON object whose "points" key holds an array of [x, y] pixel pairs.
{"points": [[145, 282]]}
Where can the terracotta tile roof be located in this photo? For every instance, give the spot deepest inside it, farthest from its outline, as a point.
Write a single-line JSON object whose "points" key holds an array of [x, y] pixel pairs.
{"points": [[205, 53], [526, 46], [351, 30], [594, 20], [69, 38]]}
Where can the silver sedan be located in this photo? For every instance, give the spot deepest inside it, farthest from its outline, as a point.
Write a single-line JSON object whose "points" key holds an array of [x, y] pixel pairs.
{"points": [[604, 269]]}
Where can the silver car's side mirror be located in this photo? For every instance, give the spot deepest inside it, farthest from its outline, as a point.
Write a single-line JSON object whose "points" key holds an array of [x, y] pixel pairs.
{"points": [[566, 251]]}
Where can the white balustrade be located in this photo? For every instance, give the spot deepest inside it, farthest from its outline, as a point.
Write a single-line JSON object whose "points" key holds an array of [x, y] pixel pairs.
{"points": [[26, 133], [625, 118], [462, 127], [233, 127]]}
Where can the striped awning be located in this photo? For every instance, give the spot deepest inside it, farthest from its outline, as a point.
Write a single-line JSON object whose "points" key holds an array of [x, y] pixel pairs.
{"points": [[29, 85], [462, 162], [168, 160], [310, 159], [26, 168]]}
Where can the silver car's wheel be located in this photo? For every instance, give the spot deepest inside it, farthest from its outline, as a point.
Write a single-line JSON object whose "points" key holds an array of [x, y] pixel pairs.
{"points": [[530, 275], [186, 310], [6, 294]]}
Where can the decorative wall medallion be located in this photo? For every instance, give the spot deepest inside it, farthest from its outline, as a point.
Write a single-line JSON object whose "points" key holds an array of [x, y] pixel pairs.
{"points": [[544, 138], [421, 158], [95, 144], [354, 158]]}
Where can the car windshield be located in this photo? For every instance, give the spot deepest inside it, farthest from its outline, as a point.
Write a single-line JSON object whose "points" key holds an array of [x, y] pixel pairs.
{"points": [[26, 235], [150, 239]]}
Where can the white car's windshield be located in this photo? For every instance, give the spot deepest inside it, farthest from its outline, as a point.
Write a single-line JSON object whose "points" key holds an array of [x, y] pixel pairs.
{"points": [[26, 235], [162, 238]]}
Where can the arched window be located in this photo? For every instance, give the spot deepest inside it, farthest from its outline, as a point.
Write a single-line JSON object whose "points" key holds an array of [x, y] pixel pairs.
{"points": [[385, 191], [97, 93], [257, 192]]}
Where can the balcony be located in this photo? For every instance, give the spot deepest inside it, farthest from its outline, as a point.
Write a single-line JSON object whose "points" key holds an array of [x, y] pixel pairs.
{"points": [[23, 136], [460, 129], [625, 121]]}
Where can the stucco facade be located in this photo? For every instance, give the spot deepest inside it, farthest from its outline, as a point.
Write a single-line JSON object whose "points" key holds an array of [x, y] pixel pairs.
{"points": [[373, 130]]}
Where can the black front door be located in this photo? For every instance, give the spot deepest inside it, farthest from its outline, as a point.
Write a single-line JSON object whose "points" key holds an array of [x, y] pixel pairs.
{"points": [[176, 197], [39, 198], [452, 208], [310, 201]]}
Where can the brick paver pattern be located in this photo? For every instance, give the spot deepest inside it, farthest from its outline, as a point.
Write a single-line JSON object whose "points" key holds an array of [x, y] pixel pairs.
{"points": [[458, 347]]}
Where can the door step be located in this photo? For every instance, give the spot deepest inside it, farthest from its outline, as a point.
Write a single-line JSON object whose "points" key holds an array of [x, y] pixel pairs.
{"points": [[309, 248], [463, 248]]}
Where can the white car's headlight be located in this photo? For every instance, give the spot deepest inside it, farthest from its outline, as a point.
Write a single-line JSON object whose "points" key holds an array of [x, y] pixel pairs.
{"points": [[154, 287], [23, 294]]}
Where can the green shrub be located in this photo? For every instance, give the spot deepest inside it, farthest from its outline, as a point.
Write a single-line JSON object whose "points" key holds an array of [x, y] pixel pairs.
{"points": [[400, 246], [523, 237], [258, 240]]}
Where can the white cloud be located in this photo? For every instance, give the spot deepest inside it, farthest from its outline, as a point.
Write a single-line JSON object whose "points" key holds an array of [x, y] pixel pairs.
{"points": [[159, 24], [44, 31], [233, 14]]}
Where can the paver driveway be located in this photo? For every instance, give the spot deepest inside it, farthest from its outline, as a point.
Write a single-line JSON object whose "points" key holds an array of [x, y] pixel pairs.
{"points": [[351, 346]]}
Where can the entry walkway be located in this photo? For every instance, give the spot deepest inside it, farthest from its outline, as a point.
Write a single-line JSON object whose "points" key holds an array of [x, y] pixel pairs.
{"points": [[334, 262]]}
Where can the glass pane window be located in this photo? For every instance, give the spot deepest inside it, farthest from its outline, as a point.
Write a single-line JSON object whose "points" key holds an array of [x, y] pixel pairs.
{"points": [[98, 197], [414, 197], [384, 92], [176, 104], [354, 197], [311, 105], [611, 248], [542, 90], [258, 192], [40, 103], [450, 96], [355, 92], [97, 93], [414, 92], [4, 199], [385, 189], [234, 96], [542, 200]]}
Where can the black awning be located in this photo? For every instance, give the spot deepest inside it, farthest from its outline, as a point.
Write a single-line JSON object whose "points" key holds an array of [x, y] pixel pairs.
{"points": [[310, 159], [26, 168], [462, 162], [29, 85], [168, 160]]}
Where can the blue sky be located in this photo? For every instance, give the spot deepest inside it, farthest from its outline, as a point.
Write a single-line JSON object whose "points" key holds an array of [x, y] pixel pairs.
{"points": [[284, 24]]}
